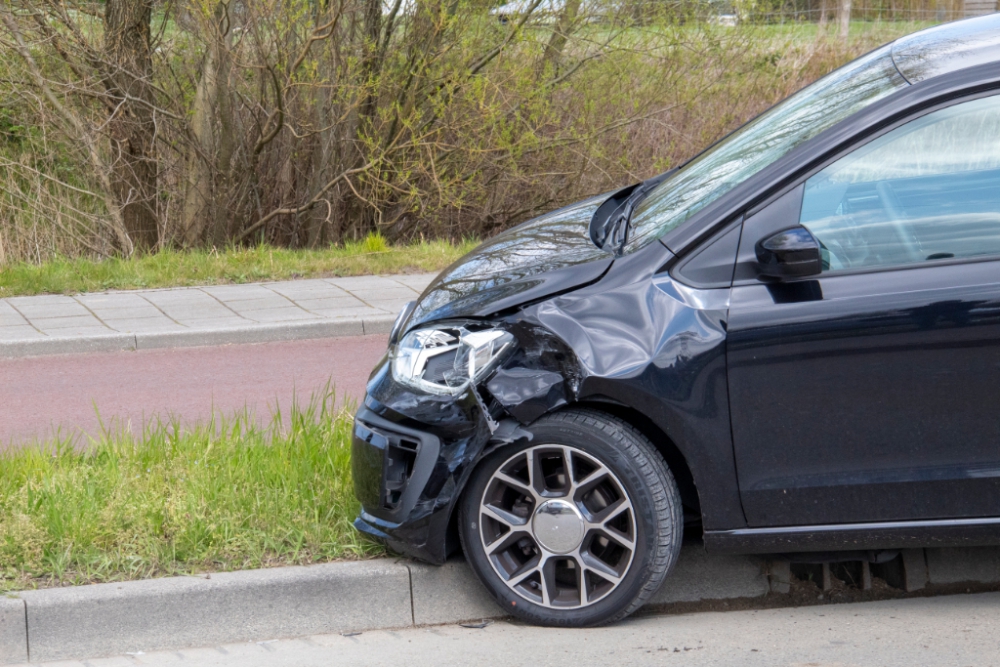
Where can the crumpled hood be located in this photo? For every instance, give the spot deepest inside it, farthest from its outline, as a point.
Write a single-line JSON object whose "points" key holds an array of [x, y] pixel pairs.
{"points": [[544, 256]]}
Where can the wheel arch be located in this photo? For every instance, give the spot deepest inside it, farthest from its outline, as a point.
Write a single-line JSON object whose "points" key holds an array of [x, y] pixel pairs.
{"points": [[671, 454]]}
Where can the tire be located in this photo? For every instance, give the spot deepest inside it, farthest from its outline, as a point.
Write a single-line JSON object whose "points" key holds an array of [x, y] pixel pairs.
{"points": [[574, 550]]}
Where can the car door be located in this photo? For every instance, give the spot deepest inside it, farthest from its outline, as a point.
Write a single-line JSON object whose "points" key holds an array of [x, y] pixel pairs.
{"points": [[871, 392]]}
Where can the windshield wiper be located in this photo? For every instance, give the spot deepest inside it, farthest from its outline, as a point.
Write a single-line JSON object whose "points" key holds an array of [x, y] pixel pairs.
{"points": [[621, 223], [618, 228]]}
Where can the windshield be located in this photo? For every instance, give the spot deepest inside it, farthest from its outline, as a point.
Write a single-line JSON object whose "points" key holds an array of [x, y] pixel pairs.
{"points": [[761, 142]]}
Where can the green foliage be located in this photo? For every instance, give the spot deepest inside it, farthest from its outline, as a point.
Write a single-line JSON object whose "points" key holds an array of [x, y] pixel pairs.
{"points": [[298, 128], [375, 242], [227, 495]]}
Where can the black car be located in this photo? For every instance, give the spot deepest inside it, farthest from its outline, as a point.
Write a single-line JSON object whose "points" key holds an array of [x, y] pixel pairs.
{"points": [[790, 344]]}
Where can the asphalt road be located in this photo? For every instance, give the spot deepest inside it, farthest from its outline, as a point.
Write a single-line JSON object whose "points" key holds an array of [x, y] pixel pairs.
{"points": [[955, 630], [41, 396]]}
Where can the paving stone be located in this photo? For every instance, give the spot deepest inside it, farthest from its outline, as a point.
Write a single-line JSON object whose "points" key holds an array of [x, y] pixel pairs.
{"points": [[10, 317], [113, 300], [364, 282], [416, 282], [71, 322], [389, 305], [329, 303], [287, 314], [301, 288], [146, 325], [44, 310], [128, 313], [263, 303], [20, 332], [188, 296], [96, 329], [182, 312], [238, 292], [208, 323], [369, 295], [344, 313], [41, 299]]}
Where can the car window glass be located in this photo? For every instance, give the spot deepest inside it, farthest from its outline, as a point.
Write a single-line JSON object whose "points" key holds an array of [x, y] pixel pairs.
{"points": [[761, 142], [929, 190]]}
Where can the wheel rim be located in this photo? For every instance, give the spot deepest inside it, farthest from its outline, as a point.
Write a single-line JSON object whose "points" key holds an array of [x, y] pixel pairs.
{"points": [[557, 526]]}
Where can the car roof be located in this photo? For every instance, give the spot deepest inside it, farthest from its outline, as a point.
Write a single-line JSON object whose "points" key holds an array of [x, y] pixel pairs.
{"points": [[948, 48]]}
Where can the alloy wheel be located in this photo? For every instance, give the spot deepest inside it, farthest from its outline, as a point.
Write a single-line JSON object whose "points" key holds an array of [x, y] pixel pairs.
{"points": [[557, 526]]}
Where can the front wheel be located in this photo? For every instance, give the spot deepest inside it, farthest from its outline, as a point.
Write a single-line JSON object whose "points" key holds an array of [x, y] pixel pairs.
{"points": [[577, 527]]}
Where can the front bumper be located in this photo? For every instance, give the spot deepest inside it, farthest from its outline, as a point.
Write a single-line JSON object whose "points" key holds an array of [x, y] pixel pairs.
{"points": [[411, 456]]}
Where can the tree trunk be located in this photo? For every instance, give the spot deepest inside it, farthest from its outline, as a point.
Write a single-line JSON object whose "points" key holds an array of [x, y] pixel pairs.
{"points": [[205, 213], [128, 57], [845, 18], [824, 16], [557, 41]]}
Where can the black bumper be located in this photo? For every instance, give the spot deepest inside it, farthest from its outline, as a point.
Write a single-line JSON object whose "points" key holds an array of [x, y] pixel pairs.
{"points": [[411, 456]]}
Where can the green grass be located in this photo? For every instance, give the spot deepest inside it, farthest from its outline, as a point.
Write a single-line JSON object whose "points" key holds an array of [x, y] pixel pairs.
{"points": [[228, 495], [172, 268]]}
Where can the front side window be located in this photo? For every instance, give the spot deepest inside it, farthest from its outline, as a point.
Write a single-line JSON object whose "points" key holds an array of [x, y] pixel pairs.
{"points": [[927, 191], [762, 142]]}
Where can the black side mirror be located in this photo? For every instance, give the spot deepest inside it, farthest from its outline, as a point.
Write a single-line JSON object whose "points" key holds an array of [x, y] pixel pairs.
{"points": [[791, 253]]}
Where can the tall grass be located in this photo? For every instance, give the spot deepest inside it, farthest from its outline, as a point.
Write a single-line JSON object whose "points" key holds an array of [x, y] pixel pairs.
{"points": [[226, 495], [177, 268]]}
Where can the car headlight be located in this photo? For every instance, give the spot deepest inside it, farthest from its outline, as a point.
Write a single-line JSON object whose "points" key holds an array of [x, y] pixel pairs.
{"points": [[397, 326], [445, 359]]}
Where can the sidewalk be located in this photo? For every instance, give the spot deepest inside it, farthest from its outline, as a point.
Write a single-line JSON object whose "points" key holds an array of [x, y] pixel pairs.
{"points": [[215, 315]]}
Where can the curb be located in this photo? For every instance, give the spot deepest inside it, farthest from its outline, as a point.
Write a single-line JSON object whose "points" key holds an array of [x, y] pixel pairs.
{"points": [[104, 620], [263, 333]]}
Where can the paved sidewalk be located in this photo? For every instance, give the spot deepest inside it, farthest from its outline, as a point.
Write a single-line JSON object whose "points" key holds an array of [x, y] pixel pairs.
{"points": [[216, 315]]}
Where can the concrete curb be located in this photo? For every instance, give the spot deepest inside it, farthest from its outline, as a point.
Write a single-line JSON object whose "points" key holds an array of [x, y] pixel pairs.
{"points": [[262, 333], [179, 612], [13, 631], [188, 612]]}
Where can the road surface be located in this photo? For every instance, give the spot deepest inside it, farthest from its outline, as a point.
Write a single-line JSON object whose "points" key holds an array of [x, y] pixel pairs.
{"points": [[955, 630], [44, 395]]}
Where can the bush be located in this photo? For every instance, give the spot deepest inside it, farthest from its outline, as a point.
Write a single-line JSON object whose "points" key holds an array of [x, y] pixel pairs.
{"points": [[301, 123]]}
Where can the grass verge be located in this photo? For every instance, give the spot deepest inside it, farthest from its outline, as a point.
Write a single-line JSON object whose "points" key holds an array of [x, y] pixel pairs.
{"points": [[173, 268], [227, 495]]}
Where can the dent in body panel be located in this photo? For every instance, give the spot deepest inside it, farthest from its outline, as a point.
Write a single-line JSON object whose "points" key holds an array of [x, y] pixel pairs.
{"points": [[657, 347]]}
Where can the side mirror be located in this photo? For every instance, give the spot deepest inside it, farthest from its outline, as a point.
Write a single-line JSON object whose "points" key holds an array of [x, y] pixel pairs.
{"points": [[791, 253]]}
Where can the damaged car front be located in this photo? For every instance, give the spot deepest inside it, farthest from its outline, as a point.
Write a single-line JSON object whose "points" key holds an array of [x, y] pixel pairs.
{"points": [[508, 415], [428, 415], [558, 403]]}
